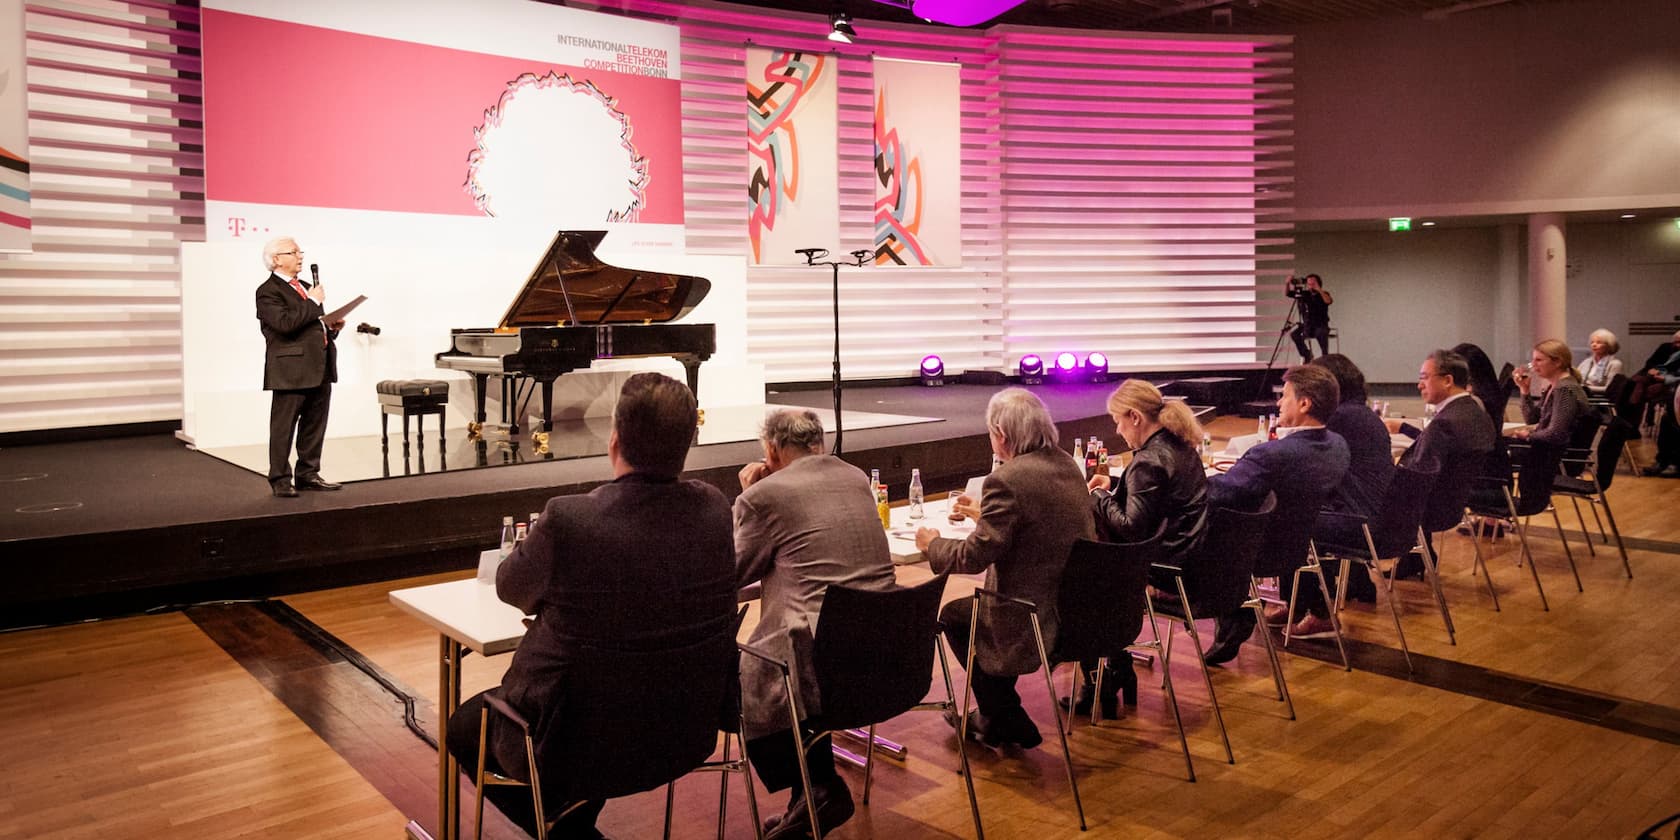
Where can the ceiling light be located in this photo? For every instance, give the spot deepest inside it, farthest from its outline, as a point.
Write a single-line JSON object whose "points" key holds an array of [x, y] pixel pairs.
{"points": [[1427, 224], [840, 27], [1627, 215]]}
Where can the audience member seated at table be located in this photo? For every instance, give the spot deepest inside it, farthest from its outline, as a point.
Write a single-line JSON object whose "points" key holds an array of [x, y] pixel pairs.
{"points": [[804, 521], [1032, 509], [1656, 377], [1456, 442], [1164, 482], [1361, 491], [1299, 467], [1598, 369], [1494, 397], [645, 562], [1552, 415]]}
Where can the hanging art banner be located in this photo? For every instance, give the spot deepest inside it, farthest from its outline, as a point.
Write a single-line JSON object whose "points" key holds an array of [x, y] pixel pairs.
{"points": [[14, 132], [918, 177], [793, 122]]}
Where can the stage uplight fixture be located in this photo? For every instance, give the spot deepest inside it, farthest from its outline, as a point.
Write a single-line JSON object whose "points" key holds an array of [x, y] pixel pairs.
{"points": [[1066, 366], [1096, 367], [1031, 368], [840, 27], [932, 371]]}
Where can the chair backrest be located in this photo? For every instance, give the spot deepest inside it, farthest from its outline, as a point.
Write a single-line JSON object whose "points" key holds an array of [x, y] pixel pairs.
{"points": [[1285, 546], [1617, 432], [1100, 601], [1535, 476], [873, 651], [1394, 530], [629, 721], [1217, 577], [1585, 433], [1445, 508], [1617, 389]]}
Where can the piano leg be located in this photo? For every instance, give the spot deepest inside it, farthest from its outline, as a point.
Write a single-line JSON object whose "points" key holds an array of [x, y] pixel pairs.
{"points": [[481, 383], [548, 407], [692, 367]]}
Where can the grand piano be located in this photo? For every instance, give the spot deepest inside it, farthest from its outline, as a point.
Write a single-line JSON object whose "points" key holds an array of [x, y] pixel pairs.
{"points": [[573, 310]]}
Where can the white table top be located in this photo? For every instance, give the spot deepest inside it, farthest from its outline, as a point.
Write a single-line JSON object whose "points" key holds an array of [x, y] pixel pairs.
{"points": [[466, 611], [901, 537]]}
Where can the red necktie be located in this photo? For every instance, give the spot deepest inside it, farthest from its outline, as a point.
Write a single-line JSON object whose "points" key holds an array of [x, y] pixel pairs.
{"points": [[298, 287]]}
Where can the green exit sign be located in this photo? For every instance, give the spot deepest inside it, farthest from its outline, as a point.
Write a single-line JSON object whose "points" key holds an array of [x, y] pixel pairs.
{"points": [[1399, 223]]}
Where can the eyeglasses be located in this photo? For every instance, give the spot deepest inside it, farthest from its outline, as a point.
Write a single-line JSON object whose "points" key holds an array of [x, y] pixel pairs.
{"points": [[288, 253], [1423, 377]]}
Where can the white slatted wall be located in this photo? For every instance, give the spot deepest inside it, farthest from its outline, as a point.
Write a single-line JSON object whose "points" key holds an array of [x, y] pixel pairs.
{"points": [[1120, 193], [90, 322]]}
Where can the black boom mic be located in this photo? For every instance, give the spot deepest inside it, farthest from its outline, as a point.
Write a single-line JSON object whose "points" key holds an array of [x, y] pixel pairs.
{"points": [[315, 273]]}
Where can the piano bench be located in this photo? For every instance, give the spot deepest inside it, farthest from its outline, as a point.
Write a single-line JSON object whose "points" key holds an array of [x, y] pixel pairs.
{"points": [[411, 398]]}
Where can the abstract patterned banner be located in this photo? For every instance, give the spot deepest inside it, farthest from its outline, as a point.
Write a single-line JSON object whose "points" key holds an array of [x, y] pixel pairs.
{"points": [[918, 178], [14, 132], [793, 119]]}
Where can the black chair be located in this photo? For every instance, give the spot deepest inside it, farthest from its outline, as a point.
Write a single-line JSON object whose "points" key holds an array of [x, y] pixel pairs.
{"points": [[625, 721], [1397, 530], [1446, 509], [1102, 604], [1219, 579], [1583, 476], [873, 654], [1538, 468], [733, 724], [1288, 550]]}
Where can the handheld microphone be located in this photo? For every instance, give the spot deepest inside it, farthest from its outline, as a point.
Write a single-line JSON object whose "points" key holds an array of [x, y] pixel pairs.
{"points": [[315, 273]]}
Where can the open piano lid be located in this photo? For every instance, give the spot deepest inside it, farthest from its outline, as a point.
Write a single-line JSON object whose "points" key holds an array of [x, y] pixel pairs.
{"points": [[572, 287]]}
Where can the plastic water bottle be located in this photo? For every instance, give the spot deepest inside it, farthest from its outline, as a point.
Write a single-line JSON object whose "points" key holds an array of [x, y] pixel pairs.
{"points": [[508, 536], [1260, 427], [1207, 447], [1079, 452], [916, 507]]}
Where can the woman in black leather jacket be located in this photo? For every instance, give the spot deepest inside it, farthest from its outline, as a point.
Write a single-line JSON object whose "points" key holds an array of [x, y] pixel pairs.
{"points": [[1165, 482]]}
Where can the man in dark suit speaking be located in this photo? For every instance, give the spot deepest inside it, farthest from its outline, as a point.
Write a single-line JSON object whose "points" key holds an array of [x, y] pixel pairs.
{"points": [[299, 367]]}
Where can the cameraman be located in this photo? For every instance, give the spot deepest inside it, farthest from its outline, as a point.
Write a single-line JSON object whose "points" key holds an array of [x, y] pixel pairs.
{"points": [[1314, 304]]}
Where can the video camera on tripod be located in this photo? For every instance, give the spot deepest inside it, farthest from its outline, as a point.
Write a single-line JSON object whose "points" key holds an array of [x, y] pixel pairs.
{"points": [[1296, 285]]}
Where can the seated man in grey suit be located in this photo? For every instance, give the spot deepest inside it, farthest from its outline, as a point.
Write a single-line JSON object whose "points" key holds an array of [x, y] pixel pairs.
{"points": [[1032, 509], [599, 569], [803, 522]]}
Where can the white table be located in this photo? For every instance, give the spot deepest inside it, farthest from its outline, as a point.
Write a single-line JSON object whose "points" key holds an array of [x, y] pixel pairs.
{"points": [[901, 537], [468, 616]]}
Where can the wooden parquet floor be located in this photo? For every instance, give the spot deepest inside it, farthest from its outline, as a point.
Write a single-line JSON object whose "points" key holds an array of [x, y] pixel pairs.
{"points": [[218, 722]]}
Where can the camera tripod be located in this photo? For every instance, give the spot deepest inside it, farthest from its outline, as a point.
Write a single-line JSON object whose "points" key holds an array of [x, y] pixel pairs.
{"points": [[1289, 323]]}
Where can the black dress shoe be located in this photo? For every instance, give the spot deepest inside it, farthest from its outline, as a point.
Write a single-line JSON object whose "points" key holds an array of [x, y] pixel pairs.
{"points": [[283, 489], [997, 734], [834, 807], [1222, 652], [316, 482]]}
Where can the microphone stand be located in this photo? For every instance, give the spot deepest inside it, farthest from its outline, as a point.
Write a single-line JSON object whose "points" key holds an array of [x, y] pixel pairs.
{"points": [[814, 256]]}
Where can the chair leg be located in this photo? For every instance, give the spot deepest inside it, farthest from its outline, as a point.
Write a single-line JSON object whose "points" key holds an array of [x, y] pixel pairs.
{"points": [[1055, 709], [723, 785], [1289, 609], [670, 802], [1521, 524], [799, 749], [1603, 535], [1393, 606], [1207, 677], [1166, 682], [1097, 686], [1277, 675], [1576, 503], [1567, 552], [1487, 576], [962, 746], [536, 788], [478, 779], [1611, 518], [747, 778], [1431, 569], [1335, 623], [869, 759]]}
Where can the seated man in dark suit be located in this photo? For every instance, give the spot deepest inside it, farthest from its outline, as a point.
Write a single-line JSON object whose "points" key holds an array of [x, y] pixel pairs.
{"points": [[804, 521], [1456, 442], [1301, 467], [604, 569], [1032, 509], [1361, 491]]}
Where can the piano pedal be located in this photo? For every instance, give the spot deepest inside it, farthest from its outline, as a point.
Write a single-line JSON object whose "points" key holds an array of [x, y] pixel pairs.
{"points": [[701, 415], [475, 430]]}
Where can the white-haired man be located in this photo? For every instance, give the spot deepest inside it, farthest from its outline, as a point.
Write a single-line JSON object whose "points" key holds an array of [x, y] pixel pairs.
{"points": [[300, 365]]}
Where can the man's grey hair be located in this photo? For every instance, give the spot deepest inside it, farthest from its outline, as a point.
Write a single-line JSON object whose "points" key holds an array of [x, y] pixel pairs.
{"points": [[1022, 419], [272, 247], [793, 428]]}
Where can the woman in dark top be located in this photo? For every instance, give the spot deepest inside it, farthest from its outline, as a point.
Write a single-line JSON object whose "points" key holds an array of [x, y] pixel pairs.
{"points": [[1484, 383], [1370, 468], [1553, 415], [1165, 482]]}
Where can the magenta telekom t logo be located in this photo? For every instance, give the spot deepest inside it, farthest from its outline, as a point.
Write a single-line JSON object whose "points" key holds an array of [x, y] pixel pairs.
{"points": [[237, 225]]}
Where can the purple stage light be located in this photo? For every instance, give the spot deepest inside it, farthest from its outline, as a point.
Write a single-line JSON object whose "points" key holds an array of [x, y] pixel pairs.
{"points": [[1096, 367], [956, 12], [1031, 368], [1066, 362], [932, 371]]}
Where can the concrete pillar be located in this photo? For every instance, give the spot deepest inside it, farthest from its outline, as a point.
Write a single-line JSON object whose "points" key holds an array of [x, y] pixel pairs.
{"points": [[1510, 300], [1547, 283]]}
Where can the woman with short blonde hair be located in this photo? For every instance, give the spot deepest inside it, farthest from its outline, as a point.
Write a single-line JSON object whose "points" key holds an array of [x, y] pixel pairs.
{"points": [[1602, 366]]}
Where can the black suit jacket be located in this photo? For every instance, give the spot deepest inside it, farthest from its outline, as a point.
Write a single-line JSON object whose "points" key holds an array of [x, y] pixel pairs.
{"points": [[1457, 442], [297, 356], [640, 564]]}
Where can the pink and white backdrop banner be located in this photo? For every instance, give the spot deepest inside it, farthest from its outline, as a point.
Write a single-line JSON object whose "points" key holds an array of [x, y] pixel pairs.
{"points": [[15, 222], [918, 163], [380, 123], [793, 125]]}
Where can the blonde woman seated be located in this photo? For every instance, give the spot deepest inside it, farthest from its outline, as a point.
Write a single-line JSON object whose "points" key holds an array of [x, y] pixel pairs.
{"points": [[1164, 483], [1597, 370], [1552, 415]]}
